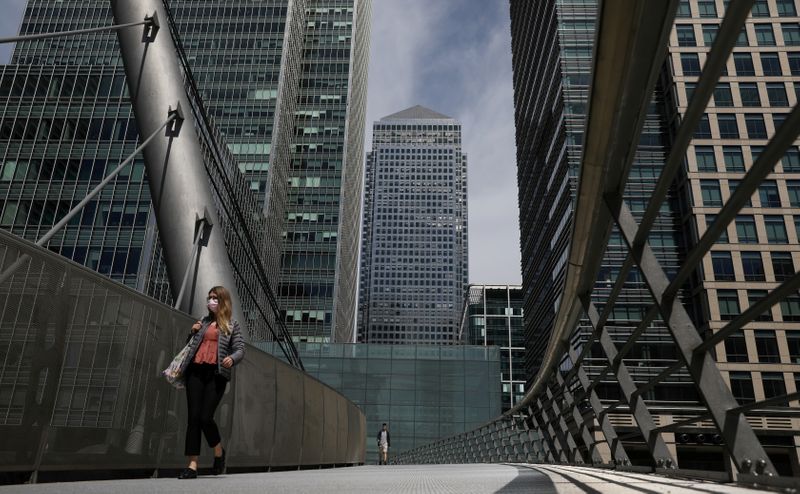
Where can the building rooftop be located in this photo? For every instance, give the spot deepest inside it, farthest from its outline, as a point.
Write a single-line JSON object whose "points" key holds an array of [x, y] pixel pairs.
{"points": [[417, 112]]}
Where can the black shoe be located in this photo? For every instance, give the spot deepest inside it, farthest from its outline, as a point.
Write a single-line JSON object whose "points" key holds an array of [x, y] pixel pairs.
{"points": [[219, 464], [188, 473]]}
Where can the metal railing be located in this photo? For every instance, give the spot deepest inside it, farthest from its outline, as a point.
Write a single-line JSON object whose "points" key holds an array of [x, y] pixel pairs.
{"points": [[562, 419], [82, 391]]}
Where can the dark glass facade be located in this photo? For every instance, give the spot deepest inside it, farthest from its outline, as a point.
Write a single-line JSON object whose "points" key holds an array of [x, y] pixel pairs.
{"points": [[552, 49], [493, 317], [66, 120], [414, 236], [423, 392]]}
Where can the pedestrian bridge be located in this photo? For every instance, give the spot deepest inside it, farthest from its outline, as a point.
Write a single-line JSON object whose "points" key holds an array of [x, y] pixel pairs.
{"points": [[462, 479]]}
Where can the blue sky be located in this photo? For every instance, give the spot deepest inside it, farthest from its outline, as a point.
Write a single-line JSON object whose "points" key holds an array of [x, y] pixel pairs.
{"points": [[453, 56]]}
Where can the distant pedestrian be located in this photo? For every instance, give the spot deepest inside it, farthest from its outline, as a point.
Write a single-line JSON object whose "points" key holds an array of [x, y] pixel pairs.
{"points": [[384, 441], [216, 346]]}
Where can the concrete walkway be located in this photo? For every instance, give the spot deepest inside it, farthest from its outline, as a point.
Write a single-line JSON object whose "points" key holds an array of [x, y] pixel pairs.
{"points": [[455, 479]]}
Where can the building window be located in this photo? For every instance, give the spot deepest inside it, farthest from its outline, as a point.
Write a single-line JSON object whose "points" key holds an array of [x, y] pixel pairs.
{"points": [[755, 126], [767, 346], [690, 63], [791, 34], [791, 161], [786, 8], [753, 266], [774, 384], [793, 189], [683, 9], [793, 342], [776, 94], [685, 35], [754, 297], [727, 126], [709, 189], [722, 95], [768, 194], [742, 387], [736, 347], [794, 62], [703, 130], [734, 161], [771, 64], [764, 35], [741, 40], [707, 8], [790, 308], [705, 158], [728, 304], [749, 93], [782, 265], [776, 230], [760, 9], [709, 33], [723, 266], [744, 64], [746, 229]]}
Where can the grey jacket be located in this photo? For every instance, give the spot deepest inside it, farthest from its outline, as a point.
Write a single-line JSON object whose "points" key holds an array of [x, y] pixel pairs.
{"points": [[231, 345]]}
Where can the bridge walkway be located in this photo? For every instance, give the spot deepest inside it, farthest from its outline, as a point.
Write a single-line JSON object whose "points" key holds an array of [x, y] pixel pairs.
{"points": [[417, 479]]}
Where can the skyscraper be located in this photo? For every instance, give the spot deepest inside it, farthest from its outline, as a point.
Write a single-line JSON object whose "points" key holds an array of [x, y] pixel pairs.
{"points": [[262, 70], [759, 250], [414, 235]]}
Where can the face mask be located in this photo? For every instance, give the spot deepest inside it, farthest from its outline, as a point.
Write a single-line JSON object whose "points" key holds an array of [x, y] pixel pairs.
{"points": [[213, 305]]}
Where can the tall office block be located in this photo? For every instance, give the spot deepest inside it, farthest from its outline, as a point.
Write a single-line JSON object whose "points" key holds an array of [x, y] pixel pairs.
{"points": [[414, 235], [552, 49], [493, 317], [320, 255], [67, 120], [761, 248]]}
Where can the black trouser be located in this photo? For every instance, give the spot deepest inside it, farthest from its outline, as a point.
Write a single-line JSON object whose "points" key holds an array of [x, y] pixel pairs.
{"points": [[204, 390]]}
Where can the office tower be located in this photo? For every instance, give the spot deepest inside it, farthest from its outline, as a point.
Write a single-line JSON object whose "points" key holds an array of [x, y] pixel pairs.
{"points": [[414, 234], [255, 70], [493, 317], [760, 249], [756, 253], [319, 276]]}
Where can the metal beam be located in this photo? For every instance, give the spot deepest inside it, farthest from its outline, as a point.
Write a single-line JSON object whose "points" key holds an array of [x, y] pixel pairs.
{"points": [[740, 439], [178, 183]]}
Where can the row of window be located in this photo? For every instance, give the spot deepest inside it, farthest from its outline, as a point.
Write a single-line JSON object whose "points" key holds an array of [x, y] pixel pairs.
{"points": [[768, 194], [766, 347], [764, 35], [743, 64], [773, 384], [728, 126], [761, 8], [729, 308], [733, 159], [752, 265], [747, 233]]}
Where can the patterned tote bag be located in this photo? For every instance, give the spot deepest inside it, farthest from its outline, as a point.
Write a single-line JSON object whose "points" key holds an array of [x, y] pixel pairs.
{"points": [[173, 373]]}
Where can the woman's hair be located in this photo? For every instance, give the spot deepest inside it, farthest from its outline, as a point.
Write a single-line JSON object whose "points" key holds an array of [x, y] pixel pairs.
{"points": [[223, 316]]}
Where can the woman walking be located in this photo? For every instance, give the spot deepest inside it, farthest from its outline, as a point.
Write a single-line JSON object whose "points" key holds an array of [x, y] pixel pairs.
{"points": [[216, 346]]}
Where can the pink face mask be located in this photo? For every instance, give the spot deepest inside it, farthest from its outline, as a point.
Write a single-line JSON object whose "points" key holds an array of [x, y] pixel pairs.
{"points": [[213, 304]]}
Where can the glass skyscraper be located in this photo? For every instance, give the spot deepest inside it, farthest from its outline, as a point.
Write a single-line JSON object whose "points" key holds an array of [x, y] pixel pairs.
{"points": [[552, 48], [493, 317], [264, 71], [414, 235]]}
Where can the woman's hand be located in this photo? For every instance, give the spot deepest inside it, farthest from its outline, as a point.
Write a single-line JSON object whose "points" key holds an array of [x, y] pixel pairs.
{"points": [[196, 326], [227, 362]]}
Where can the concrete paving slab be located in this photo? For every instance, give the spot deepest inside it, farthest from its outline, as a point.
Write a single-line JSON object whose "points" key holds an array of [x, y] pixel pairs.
{"points": [[416, 479]]}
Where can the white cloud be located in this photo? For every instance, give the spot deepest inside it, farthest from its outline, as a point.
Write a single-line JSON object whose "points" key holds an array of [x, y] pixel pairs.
{"points": [[455, 57]]}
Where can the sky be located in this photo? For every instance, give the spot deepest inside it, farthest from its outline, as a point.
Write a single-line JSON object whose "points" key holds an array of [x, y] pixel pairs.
{"points": [[454, 57]]}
